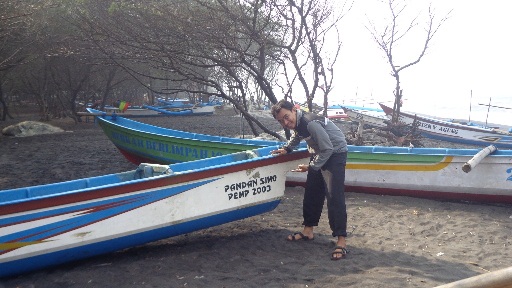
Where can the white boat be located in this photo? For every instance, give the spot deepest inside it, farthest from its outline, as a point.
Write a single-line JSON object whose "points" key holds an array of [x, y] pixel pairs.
{"points": [[434, 173], [367, 117], [454, 132], [52, 224]]}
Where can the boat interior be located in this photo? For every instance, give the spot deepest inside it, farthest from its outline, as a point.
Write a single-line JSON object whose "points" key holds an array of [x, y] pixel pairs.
{"points": [[144, 172]]}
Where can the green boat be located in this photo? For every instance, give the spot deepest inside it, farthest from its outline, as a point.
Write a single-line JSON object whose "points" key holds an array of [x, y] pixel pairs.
{"points": [[145, 143]]}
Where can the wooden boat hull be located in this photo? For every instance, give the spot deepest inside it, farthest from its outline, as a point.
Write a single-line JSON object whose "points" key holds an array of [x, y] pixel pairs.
{"points": [[433, 173], [51, 224], [140, 142], [453, 132]]}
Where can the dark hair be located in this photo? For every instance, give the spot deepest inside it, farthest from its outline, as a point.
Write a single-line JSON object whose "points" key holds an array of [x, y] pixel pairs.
{"points": [[283, 104]]}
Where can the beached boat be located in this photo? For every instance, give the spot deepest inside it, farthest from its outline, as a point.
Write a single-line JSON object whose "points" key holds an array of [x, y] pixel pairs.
{"points": [[433, 173], [183, 111], [52, 224], [418, 172], [454, 132], [335, 113], [367, 117], [140, 142], [131, 112], [339, 112], [182, 107]]}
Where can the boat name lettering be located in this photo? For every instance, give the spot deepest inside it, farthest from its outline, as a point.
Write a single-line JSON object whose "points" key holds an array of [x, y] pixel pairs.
{"points": [[241, 185], [238, 194], [268, 179], [449, 130], [252, 187], [509, 171], [165, 147], [434, 127]]}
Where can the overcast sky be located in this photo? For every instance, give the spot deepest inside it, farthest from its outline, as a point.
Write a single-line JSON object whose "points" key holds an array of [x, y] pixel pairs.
{"points": [[472, 51]]}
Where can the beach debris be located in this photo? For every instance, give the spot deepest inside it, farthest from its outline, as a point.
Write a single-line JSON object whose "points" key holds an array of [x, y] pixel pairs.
{"points": [[440, 254], [478, 265], [30, 128]]}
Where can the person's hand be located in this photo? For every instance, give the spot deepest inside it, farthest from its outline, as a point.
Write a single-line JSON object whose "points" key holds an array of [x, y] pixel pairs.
{"points": [[278, 152], [301, 168]]}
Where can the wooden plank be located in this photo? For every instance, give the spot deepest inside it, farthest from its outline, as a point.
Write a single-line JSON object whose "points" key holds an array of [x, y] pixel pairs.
{"points": [[497, 279]]}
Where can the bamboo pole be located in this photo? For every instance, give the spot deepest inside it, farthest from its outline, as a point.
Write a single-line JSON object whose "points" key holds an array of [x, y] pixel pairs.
{"points": [[477, 158], [497, 279]]}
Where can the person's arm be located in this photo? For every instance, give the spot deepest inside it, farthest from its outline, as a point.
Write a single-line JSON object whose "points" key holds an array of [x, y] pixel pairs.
{"points": [[288, 147], [325, 147]]}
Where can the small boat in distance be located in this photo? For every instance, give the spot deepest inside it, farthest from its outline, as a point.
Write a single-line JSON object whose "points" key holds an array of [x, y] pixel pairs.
{"points": [[182, 107], [183, 111], [367, 117], [335, 114], [47, 225], [131, 112], [454, 132]]}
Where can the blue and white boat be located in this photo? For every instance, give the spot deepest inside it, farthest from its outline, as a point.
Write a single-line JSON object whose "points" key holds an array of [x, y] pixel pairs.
{"points": [[46, 225]]}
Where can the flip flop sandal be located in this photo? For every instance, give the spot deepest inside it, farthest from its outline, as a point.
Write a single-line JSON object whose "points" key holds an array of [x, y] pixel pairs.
{"points": [[335, 253], [302, 237]]}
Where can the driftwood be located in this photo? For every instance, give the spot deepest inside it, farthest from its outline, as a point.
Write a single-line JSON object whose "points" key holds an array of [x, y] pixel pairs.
{"points": [[497, 279], [392, 135]]}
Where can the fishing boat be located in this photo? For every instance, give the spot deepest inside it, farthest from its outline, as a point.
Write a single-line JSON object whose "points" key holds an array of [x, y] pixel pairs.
{"points": [[46, 225], [140, 142], [182, 107], [340, 112], [132, 112], [434, 173], [419, 172], [335, 113], [183, 111], [454, 132], [367, 117]]}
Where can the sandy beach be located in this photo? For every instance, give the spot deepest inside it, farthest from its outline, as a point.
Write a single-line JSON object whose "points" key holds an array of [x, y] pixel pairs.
{"points": [[393, 241]]}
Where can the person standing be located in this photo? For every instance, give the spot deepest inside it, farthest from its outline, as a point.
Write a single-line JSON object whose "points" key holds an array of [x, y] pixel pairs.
{"points": [[325, 171]]}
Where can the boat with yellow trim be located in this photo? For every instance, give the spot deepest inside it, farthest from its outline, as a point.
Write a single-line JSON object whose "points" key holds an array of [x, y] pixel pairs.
{"points": [[434, 173]]}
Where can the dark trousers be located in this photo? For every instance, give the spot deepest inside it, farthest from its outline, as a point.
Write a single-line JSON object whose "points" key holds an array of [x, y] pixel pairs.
{"points": [[327, 183]]}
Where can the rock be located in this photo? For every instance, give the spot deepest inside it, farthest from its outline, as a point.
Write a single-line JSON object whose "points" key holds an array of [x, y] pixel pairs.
{"points": [[30, 128]]}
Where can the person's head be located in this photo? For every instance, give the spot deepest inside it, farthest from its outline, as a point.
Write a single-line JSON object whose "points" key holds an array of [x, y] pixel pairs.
{"points": [[285, 113]]}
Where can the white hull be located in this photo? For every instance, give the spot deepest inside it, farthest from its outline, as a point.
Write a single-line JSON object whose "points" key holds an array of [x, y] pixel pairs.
{"points": [[428, 173]]}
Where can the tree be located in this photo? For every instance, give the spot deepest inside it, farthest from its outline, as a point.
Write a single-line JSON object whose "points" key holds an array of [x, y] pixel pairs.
{"points": [[389, 37], [308, 24], [220, 48], [18, 31]]}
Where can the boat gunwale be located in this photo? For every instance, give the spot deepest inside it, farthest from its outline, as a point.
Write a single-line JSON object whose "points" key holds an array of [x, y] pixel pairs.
{"points": [[131, 186], [159, 131], [444, 122]]}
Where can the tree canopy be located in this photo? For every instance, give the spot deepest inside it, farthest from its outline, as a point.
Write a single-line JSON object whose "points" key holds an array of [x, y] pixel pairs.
{"points": [[245, 52]]}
